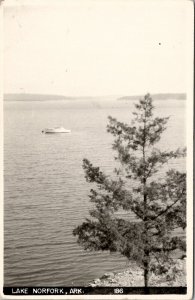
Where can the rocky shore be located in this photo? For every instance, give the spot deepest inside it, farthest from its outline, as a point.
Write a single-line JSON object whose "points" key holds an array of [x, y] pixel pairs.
{"points": [[133, 276]]}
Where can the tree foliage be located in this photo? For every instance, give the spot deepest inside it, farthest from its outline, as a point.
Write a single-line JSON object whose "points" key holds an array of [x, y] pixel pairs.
{"points": [[159, 204]]}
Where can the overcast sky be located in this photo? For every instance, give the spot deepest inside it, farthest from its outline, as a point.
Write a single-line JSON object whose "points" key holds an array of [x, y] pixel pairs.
{"points": [[95, 47]]}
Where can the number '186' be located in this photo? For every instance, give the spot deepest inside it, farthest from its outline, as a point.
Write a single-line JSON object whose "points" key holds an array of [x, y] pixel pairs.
{"points": [[118, 291]]}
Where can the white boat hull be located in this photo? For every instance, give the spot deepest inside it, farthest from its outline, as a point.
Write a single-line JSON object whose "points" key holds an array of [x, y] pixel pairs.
{"points": [[56, 130]]}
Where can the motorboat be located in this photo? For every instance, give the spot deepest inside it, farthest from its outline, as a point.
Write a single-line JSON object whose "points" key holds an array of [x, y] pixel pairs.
{"points": [[56, 130]]}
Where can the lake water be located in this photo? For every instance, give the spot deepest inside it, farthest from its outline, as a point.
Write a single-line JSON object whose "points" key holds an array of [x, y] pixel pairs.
{"points": [[45, 193]]}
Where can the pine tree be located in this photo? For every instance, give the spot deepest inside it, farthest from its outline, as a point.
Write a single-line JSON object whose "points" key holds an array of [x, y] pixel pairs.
{"points": [[158, 203]]}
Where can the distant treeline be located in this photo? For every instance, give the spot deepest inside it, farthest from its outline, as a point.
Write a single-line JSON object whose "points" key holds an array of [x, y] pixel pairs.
{"points": [[34, 97], [45, 97], [162, 96]]}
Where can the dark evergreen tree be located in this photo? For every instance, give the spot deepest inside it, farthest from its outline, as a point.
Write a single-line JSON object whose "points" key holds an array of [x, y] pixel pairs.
{"points": [[158, 203]]}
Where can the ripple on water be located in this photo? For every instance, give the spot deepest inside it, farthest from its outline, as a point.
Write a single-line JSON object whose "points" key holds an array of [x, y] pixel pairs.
{"points": [[46, 194]]}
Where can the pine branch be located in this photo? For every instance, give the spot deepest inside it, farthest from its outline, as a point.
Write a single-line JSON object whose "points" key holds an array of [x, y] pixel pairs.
{"points": [[168, 207]]}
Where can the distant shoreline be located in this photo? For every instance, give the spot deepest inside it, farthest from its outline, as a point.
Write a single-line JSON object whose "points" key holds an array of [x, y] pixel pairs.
{"points": [[44, 97], [163, 96], [35, 97]]}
